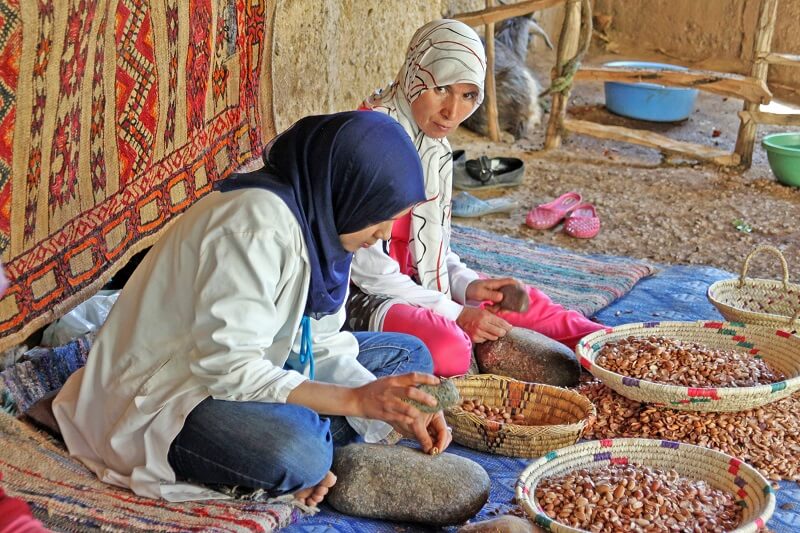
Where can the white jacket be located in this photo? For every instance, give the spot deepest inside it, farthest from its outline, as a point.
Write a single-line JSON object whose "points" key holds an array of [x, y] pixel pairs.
{"points": [[214, 309], [374, 272]]}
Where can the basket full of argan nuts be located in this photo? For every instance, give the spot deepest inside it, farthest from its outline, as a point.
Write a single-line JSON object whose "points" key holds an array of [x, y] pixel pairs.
{"points": [[696, 366], [643, 486], [506, 416]]}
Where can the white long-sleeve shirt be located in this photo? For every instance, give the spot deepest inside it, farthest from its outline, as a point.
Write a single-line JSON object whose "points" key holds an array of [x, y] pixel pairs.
{"points": [[374, 272], [213, 310]]}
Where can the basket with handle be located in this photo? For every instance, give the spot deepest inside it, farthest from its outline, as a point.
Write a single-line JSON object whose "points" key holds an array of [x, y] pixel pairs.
{"points": [[766, 302], [754, 493], [560, 416], [778, 347]]}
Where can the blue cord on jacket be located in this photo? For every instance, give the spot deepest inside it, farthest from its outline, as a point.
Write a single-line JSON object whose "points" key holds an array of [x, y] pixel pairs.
{"points": [[306, 345]]}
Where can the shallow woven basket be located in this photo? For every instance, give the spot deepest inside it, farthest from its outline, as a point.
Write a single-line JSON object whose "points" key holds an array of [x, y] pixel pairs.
{"points": [[780, 349], [767, 302], [562, 413], [723, 472]]}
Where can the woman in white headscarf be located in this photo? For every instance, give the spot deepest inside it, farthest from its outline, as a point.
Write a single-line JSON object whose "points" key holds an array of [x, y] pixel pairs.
{"points": [[417, 284]]}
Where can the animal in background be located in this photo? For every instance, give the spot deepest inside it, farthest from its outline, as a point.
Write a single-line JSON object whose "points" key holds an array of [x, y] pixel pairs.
{"points": [[516, 85]]}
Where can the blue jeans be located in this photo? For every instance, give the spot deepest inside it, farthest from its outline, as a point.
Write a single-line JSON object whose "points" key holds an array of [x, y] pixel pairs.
{"points": [[274, 446]]}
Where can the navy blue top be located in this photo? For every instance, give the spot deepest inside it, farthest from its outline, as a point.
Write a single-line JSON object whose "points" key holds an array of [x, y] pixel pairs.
{"points": [[338, 174]]}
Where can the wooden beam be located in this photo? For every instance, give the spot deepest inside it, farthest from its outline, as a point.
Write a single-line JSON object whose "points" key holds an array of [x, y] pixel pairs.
{"points": [[496, 14], [746, 139], [749, 89], [776, 119], [652, 140], [568, 44], [774, 58], [492, 126]]}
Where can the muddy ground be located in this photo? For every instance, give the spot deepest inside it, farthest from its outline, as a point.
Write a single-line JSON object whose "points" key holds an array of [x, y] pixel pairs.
{"points": [[664, 210]]}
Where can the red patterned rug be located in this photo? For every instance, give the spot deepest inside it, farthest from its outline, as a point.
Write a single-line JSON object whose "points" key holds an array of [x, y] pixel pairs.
{"points": [[66, 496], [114, 117]]}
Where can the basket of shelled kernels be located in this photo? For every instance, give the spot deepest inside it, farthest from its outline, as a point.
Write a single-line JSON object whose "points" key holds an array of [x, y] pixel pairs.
{"points": [[643, 486], [505, 416], [700, 366]]}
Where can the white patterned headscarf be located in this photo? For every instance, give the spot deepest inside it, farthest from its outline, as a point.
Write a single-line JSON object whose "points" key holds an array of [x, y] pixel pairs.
{"points": [[442, 52]]}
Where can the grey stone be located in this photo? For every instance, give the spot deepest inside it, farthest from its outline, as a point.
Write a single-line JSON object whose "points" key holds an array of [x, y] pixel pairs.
{"points": [[405, 485], [515, 298], [445, 393], [502, 524], [529, 356], [473, 365]]}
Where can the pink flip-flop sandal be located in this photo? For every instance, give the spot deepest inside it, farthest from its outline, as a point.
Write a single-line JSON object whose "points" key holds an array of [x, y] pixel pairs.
{"points": [[583, 222], [547, 215]]}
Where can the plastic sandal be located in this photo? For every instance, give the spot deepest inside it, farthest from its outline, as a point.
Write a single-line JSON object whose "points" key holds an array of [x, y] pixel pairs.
{"points": [[583, 222], [547, 215], [466, 206], [488, 173]]}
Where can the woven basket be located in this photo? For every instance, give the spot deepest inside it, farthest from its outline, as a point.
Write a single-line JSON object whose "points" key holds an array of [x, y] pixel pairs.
{"points": [[719, 470], [562, 413], [766, 302], [780, 349]]}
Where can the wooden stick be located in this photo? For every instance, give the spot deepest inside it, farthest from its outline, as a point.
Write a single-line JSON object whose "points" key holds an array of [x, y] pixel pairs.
{"points": [[492, 125], [746, 139], [652, 140], [774, 58], [776, 119], [749, 89], [496, 14], [567, 49]]}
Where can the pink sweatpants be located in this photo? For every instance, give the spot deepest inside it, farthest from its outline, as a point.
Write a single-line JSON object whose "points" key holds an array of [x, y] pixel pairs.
{"points": [[451, 347]]}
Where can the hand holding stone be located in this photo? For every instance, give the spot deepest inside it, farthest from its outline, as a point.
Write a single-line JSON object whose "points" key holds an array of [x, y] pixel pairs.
{"points": [[515, 298], [387, 398]]}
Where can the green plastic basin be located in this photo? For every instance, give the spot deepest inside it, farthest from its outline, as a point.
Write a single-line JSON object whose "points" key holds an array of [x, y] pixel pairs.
{"points": [[783, 152]]}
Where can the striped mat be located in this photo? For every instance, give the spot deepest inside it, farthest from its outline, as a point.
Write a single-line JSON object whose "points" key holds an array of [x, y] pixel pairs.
{"points": [[65, 496], [585, 283]]}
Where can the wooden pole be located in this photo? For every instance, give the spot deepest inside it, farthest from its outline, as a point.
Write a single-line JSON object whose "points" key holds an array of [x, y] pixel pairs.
{"points": [[774, 58], [652, 140], [496, 14], [491, 93], [763, 43], [567, 49], [760, 117], [749, 89]]}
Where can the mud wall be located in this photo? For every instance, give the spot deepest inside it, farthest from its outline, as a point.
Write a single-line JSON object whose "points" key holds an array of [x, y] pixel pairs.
{"points": [[707, 33], [330, 54]]}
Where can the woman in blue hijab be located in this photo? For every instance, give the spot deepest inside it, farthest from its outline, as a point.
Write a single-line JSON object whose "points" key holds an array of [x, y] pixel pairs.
{"points": [[223, 361]]}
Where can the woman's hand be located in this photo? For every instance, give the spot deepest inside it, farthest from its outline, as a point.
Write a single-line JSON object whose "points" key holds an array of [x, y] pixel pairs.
{"points": [[382, 399], [431, 431], [488, 289], [482, 325]]}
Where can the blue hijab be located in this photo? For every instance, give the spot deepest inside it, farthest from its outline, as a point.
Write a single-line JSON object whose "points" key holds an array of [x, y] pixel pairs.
{"points": [[338, 174]]}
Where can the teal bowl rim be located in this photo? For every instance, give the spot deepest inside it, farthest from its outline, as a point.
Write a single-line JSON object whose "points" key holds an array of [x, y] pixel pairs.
{"points": [[648, 86], [777, 148]]}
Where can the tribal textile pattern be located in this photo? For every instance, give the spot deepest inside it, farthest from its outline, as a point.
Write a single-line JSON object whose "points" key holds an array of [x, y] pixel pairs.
{"points": [[115, 116]]}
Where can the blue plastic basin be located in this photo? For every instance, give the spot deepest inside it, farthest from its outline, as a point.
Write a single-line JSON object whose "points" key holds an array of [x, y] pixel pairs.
{"points": [[649, 101]]}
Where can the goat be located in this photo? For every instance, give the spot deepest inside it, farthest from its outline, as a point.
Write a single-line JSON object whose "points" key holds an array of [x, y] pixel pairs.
{"points": [[516, 85]]}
